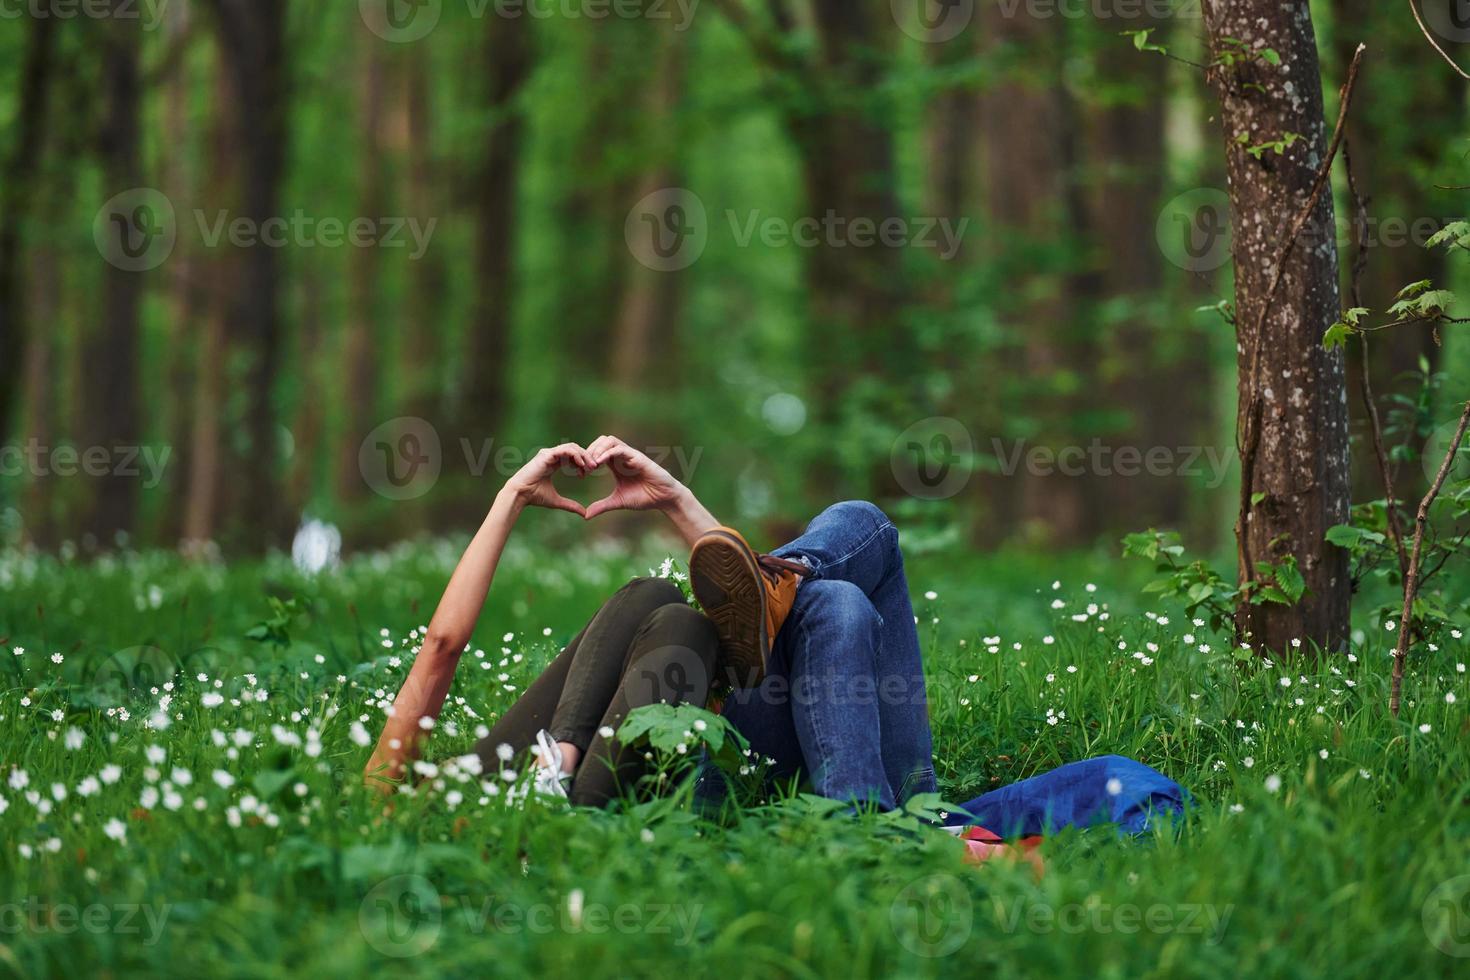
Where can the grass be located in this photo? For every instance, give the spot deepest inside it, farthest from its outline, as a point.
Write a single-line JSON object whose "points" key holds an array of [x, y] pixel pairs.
{"points": [[1329, 839]]}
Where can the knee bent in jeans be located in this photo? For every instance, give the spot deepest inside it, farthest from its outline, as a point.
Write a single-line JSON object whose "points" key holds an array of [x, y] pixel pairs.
{"points": [[840, 604]]}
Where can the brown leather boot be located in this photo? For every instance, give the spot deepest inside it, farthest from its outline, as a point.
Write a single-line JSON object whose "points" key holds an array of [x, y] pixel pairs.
{"points": [[747, 596]]}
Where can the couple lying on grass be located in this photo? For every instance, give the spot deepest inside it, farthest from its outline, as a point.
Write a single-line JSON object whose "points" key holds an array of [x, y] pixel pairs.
{"points": [[813, 647]]}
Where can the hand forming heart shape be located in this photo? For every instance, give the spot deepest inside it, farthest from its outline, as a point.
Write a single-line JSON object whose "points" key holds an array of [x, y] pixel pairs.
{"points": [[639, 482]]}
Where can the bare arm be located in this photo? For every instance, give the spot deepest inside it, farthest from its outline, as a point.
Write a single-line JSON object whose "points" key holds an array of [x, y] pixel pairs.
{"points": [[427, 684], [642, 484]]}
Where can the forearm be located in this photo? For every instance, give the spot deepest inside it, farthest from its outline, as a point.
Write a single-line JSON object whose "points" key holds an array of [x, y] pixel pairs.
{"points": [[429, 679], [689, 516]]}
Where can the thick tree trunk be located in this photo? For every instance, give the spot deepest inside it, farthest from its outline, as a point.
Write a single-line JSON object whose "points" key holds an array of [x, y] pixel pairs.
{"points": [[644, 338], [111, 414], [485, 397], [42, 409], [1154, 373], [846, 151], [253, 51], [17, 192], [361, 352], [1034, 209], [184, 290], [1292, 412], [413, 135], [205, 497]]}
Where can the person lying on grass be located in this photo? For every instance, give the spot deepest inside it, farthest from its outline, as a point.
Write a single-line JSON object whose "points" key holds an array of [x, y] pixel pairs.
{"points": [[816, 642]]}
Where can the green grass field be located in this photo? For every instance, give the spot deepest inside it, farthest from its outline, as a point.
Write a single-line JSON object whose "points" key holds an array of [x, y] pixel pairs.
{"points": [[1329, 839]]}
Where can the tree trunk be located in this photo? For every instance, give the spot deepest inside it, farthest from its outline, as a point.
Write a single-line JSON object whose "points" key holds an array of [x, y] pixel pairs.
{"points": [[252, 36], [1292, 414], [485, 397], [17, 192], [361, 351], [644, 380], [204, 497], [179, 184], [40, 415], [846, 151], [111, 415], [1034, 208], [1152, 375], [413, 133]]}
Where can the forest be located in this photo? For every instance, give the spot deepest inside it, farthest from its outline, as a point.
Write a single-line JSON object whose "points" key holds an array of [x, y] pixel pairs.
{"points": [[1138, 318]]}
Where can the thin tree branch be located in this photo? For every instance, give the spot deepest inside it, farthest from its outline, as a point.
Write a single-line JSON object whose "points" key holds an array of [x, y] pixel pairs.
{"points": [[1360, 262], [1435, 44], [1411, 580]]}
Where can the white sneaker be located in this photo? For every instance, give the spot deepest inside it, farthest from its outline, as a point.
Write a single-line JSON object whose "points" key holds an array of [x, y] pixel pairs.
{"points": [[549, 779]]}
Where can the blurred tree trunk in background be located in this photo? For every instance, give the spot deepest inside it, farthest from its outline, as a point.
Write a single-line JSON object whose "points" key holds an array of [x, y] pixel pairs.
{"points": [[253, 50], [41, 414], [1397, 140], [361, 349], [412, 135], [112, 414], [180, 184], [205, 499], [1293, 412], [600, 187], [845, 143], [17, 196], [1029, 162], [645, 376], [1153, 372], [838, 115], [508, 60], [952, 131]]}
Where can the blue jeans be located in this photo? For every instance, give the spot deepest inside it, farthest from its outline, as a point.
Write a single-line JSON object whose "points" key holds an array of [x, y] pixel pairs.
{"points": [[843, 701]]}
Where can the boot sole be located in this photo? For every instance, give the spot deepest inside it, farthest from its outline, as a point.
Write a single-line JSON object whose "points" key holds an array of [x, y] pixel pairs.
{"points": [[727, 582]]}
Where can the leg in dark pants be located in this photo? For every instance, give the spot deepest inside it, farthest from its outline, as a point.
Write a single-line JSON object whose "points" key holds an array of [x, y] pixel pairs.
{"points": [[645, 645]]}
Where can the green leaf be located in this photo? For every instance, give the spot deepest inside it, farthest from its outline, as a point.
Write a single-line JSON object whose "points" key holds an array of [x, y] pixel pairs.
{"points": [[1456, 231], [1352, 538], [1269, 56], [1141, 41], [1289, 577], [1414, 288], [1336, 336]]}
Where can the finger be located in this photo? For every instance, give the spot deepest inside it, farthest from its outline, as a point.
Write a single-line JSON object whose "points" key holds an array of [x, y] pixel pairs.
{"points": [[570, 452], [557, 501], [625, 459], [600, 445], [601, 506]]}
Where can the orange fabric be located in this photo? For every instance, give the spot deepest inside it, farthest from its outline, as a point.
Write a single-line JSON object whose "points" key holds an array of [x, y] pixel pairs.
{"points": [[982, 845]]}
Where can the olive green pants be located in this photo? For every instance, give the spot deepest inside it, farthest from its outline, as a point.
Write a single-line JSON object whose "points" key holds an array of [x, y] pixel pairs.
{"points": [[644, 646]]}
